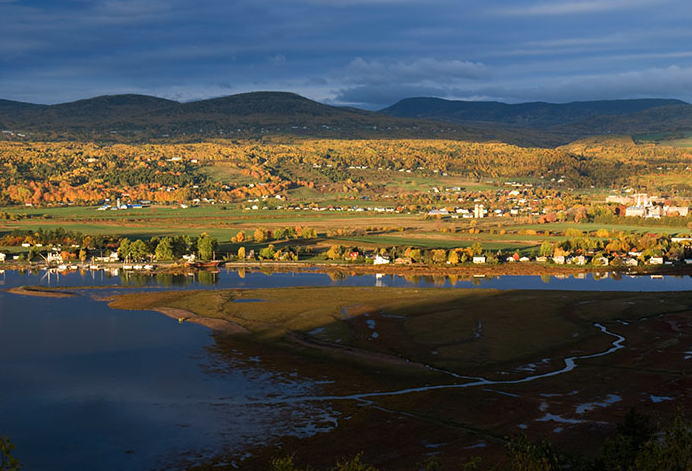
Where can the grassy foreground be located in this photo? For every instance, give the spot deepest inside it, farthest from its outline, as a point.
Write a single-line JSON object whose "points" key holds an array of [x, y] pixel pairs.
{"points": [[462, 331]]}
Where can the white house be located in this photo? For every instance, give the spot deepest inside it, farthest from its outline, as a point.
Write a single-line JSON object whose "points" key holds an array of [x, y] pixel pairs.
{"points": [[559, 260], [2, 257], [381, 260], [631, 262], [656, 261], [479, 259]]}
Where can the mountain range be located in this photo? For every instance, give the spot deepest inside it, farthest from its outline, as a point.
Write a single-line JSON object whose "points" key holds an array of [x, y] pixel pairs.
{"points": [[257, 114]]}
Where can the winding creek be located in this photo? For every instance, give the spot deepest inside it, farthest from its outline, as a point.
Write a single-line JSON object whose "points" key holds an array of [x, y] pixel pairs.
{"points": [[83, 386]]}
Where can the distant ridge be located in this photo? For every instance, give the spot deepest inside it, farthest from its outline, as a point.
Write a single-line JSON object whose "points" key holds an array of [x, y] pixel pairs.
{"points": [[255, 114], [143, 118], [532, 114]]}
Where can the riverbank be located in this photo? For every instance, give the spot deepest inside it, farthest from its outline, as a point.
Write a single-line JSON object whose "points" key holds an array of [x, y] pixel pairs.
{"points": [[464, 270]]}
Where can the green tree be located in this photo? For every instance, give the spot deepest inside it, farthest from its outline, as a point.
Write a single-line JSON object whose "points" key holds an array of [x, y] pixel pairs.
{"points": [[124, 249], [165, 249], [546, 249], [279, 233], [672, 451], [207, 246], [525, 455], [182, 245], [619, 453], [267, 253], [139, 250], [477, 248], [33, 253]]}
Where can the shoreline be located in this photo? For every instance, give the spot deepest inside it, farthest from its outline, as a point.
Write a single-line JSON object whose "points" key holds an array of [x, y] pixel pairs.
{"points": [[504, 269], [39, 292]]}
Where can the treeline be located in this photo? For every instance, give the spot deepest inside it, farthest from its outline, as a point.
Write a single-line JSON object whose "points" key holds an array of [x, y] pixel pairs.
{"points": [[85, 173], [638, 445], [58, 237], [168, 248]]}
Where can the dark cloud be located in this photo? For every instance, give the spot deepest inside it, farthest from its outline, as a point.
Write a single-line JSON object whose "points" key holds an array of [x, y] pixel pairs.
{"points": [[370, 53]]}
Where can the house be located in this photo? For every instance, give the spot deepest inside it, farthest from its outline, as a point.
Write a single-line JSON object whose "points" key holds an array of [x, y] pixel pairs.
{"points": [[559, 260], [479, 259], [631, 262], [578, 260], [2, 257], [381, 260], [655, 261], [542, 259]]}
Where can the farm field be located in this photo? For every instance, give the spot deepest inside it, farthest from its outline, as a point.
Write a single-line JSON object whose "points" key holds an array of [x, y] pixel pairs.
{"points": [[367, 230]]}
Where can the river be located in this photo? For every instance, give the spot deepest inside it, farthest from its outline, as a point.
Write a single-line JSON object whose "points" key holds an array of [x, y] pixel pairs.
{"points": [[83, 386]]}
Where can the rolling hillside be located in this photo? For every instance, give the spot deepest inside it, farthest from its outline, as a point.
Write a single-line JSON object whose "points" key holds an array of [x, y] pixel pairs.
{"points": [[258, 114], [141, 118]]}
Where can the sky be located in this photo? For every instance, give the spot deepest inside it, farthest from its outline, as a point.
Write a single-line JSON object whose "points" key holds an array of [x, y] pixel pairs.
{"points": [[363, 53]]}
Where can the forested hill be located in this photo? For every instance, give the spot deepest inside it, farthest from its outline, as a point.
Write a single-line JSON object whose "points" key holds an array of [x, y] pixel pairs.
{"points": [[257, 114], [141, 118], [533, 114]]}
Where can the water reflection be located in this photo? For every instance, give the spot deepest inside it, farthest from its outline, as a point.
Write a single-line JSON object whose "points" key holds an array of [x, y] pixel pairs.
{"points": [[87, 387], [271, 278]]}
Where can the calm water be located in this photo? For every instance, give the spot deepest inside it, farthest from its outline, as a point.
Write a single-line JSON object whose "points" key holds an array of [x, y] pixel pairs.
{"points": [[227, 278], [83, 386]]}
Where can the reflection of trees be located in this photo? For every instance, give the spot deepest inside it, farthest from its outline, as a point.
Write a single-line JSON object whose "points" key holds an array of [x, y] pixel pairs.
{"points": [[207, 277], [453, 279], [545, 278], [169, 279], [616, 275], [439, 280], [336, 275], [414, 279], [241, 272], [476, 281]]}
